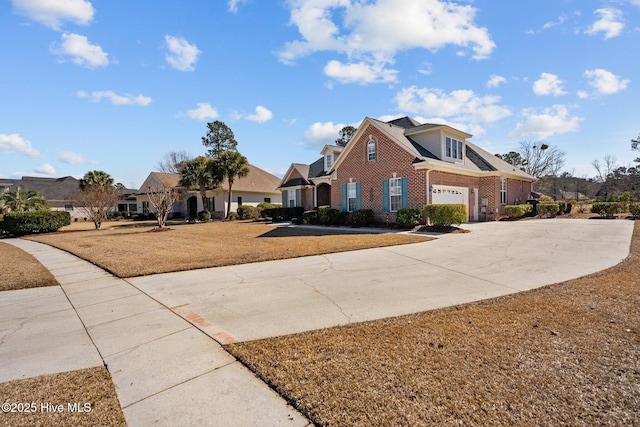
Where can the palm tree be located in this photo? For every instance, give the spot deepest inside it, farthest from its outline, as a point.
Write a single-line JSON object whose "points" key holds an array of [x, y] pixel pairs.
{"points": [[199, 173], [232, 165], [100, 178], [20, 201]]}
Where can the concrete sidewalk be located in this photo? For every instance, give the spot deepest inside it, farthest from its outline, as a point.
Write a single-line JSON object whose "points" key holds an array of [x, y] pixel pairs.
{"points": [[274, 298], [165, 371]]}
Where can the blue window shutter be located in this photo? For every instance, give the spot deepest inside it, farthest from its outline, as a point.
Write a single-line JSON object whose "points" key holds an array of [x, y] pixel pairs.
{"points": [[285, 200], [358, 202], [404, 182], [296, 193], [344, 197], [385, 195]]}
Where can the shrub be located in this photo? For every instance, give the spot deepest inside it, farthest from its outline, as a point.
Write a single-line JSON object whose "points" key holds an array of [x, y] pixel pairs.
{"points": [[233, 216], [342, 218], [517, 211], [445, 215], [21, 223], [327, 215], [546, 199], [608, 209], [176, 215], [204, 216], [262, 206], [548, 209], [361, 218], [634, 209], [562, 207], [569, 207], [408, 217], [284, 214], [247, 212], [310, 217]]}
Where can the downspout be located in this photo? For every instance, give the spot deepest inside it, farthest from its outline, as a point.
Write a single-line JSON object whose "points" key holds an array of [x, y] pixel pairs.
{"points": [[428, 187]]}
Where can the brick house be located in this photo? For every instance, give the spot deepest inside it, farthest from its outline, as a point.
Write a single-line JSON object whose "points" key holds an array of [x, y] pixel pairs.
{"points": [[402, 163]]}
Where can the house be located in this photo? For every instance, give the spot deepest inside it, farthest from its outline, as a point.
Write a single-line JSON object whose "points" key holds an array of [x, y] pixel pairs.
{"points": [[403, 163], [256, 187], [58, 192]]}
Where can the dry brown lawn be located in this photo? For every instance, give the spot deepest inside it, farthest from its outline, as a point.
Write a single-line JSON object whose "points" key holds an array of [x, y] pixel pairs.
{"points": [[135, 251], [21, 270], [566, 354], [86, 386]]}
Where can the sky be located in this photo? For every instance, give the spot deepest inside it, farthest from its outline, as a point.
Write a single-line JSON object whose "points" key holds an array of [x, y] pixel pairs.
{"points": [[115, 85]]}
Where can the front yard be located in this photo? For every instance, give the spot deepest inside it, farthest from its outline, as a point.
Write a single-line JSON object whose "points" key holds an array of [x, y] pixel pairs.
{"points": [[134, 250]]}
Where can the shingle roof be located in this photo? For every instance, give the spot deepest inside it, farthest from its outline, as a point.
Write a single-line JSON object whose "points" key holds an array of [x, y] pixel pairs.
{"points": [[50, 188]]}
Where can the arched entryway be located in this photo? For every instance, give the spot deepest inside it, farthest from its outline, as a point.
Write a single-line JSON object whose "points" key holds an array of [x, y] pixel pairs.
{"points": [[192, 207], [323, 194]]}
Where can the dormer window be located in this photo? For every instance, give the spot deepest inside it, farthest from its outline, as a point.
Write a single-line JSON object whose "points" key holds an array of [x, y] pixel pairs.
{"points": [[371, 150], [328, 159], [453, 148]]}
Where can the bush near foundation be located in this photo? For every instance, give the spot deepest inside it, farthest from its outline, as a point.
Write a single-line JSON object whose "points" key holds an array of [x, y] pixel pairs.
{"points": [[247, 212], [548, 209], [310, 217], [284, 214], [327, 215], [263, 206], [446, 215], [408, 217], [608, 209], [517, 211], [361, 218], [204, 216], [22, 223]]}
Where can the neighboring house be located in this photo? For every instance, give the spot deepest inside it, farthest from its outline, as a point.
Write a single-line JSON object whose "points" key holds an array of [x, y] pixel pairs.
{"points": [[258, 186], [390, 165], [58, 192]]}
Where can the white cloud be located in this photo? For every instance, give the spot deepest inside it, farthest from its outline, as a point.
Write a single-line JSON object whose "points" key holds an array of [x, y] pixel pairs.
{"points": [[320, 134], [83, 53], [605, 82], [204, 111], [233, 5], [182, 54], [126, 99], [14, 143], [370, 34], [610, 23], [496, 81], [360, 72], [561, 20], [72, 158], [548, 84], [53, 13], [45, 169], [459, 106], [261, 115], [552, 121]]}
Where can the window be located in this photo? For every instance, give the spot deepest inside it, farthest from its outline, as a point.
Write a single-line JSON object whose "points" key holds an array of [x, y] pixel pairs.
{"points": [[145, 207], [292, 198], [68, 208], [395, 194], [453, 148], [239, 201], [503, 191], [371, 150], [352, 197], [211, 204], [267, 199], [329, 161]]}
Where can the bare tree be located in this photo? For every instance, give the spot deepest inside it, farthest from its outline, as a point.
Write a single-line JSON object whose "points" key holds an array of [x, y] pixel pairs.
{"points": [[540, 159], [606, 168], [171, 161], [162, 199], [96, 201]]}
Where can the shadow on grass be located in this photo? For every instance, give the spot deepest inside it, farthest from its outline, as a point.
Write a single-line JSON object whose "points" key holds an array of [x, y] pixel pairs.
{"points": [[301, 232]]}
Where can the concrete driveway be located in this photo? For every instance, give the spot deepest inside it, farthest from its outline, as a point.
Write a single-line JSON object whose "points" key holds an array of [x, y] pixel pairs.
{"points": [[267, 299]]}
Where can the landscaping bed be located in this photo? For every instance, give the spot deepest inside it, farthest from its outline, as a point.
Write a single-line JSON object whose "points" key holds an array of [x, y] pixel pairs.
{"points": [[129, 251], [565, 354]]}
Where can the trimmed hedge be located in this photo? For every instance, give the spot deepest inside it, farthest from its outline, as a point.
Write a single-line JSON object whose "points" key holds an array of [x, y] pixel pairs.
{"points": [[263, 206], [608, 209], [361, 218], [22, 223], [517, 211], [310, 217], [327, 215], [408, 217], [445, 215], [284, 214], [548, 209], [247, 212]]}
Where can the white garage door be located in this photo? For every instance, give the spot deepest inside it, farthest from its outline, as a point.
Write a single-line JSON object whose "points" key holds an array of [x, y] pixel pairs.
{"points": [[446, 194]]}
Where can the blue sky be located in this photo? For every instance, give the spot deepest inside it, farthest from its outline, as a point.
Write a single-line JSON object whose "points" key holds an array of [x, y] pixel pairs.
{"points": [[115, 85]]}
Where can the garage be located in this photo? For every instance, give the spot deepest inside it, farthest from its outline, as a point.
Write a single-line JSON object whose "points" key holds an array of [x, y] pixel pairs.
{"points": [[447, 194]]}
